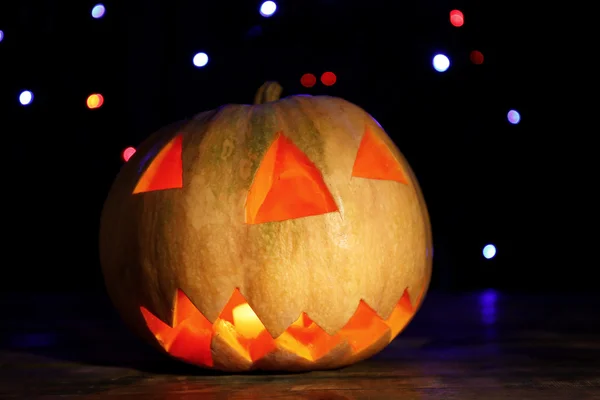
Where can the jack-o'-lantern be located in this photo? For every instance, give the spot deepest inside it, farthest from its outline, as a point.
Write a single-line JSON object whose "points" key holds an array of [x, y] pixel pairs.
{"points": [[286, 235]]}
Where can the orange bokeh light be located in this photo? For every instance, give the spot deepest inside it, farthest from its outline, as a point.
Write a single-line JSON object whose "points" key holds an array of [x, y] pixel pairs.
{"points": [[457, 18], [95, 101], [128, 153], [328, 78], [308, 80], [476, 57]]}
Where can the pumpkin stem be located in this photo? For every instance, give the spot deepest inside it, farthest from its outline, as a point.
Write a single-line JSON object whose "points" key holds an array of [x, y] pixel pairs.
{"points": [[268, 92]]}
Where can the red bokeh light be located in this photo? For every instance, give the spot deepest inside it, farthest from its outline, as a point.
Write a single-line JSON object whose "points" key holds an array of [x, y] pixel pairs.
{"points": [[128, 153], [308, 80], [328, 78], [457, 18], [476, 57]]}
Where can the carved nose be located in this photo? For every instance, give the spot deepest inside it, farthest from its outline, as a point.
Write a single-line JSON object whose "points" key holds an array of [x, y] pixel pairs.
{"points": [[287, 185]]}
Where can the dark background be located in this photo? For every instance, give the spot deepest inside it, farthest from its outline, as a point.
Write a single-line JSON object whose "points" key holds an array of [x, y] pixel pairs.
{"points": [[484, 180]]}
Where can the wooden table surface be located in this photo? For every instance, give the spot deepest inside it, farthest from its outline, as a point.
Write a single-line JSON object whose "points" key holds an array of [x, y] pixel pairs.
{"points": [[472, 346]]}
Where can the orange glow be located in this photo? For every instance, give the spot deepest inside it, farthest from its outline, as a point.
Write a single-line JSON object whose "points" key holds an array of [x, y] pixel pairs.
{"points": [[165, 171], [328, 78], [191, 335], [128, 153], [374, 160], [308, 80], [287, 185], [476, 57], [95, 101]]}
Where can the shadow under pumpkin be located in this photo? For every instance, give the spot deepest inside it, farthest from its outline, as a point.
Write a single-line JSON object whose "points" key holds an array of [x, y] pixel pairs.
{"points": [[238, 340]]}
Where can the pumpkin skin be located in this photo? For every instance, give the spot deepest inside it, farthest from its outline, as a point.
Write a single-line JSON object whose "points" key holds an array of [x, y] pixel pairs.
{"points": [[286, 235]]}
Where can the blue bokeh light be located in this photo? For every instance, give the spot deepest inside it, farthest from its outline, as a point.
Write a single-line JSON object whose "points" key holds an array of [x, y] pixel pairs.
{"points": [[513, 117], [98, 11], [489, 251]]}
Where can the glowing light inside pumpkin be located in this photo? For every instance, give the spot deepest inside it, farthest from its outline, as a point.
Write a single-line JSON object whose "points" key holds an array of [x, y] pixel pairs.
{"points": [[287, 185], [489, 251], [268, 8], [246, 321], [374, 160], [128, 153], [457, 18], [240, 334], [165, 171]]}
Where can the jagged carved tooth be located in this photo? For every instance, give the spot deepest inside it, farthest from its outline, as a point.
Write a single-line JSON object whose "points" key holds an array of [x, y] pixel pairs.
{"points": [[211, 303], [183, 309], [228, 353], [406, 301], [416, 294], [401, 315], [364, 308], [235, 299], [160, 330], [276, 323], [239, 330], [189, 337], [327, 327], [161, 305], [160, 320], [365, 353], [364, 328], [310, 337], [382, 308], [191, 344]]}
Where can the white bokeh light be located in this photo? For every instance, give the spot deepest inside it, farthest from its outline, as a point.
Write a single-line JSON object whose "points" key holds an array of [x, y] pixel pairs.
{"points": [[441, 63], [268, 8], [26, 97], [98, 11], [200, 59], [489, 251]]}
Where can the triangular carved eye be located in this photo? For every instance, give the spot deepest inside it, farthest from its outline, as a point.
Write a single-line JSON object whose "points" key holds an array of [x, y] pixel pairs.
{"points": [[165, 171], [287, 185], [374, 160]]}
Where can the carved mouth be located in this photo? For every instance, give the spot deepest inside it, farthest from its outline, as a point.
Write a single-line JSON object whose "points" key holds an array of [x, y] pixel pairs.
{"points": [[238, 341]]}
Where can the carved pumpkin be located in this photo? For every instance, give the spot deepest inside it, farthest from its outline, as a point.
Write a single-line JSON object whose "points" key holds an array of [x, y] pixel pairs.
{"points": [[287, 235]]}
